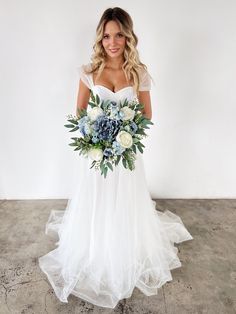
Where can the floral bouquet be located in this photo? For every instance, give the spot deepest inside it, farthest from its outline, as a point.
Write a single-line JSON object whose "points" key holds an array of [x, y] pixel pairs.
{"points": [[109, 132]]}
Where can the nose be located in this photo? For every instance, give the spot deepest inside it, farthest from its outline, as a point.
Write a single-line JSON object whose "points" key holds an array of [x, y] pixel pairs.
{"points": [[112, 40]]}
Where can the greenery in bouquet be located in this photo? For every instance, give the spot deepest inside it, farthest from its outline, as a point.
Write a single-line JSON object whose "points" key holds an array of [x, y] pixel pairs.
{"points": [[109, 132]]}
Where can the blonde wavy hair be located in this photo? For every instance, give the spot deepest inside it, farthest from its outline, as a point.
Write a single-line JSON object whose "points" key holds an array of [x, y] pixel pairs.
{"points": [[132, 64]]}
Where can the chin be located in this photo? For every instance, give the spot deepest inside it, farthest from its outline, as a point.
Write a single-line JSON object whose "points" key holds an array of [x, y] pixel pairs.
{"points": [[114, 55]]}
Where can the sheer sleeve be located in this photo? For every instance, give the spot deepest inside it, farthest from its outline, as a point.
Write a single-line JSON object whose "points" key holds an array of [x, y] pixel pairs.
{"points": [[145, 81], [85, 78]]}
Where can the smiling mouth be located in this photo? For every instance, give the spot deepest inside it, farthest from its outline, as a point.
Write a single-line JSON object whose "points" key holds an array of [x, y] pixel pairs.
{"points": [[114, 50]]}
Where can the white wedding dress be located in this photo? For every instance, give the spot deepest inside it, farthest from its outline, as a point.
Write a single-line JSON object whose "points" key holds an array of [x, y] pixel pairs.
{"points": [[111, 238]]}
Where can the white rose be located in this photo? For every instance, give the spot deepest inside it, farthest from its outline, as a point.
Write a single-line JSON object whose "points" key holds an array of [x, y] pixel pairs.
{"points": [[95, 154], [124, 139], [94, 113], [128, 113]]}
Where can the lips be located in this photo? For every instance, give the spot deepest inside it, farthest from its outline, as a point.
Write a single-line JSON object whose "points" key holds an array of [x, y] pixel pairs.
{"points": [[114, 50]]}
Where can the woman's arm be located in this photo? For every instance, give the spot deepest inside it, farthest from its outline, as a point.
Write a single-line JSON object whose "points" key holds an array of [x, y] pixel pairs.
{"points": [[82, 97], [145, 99]]}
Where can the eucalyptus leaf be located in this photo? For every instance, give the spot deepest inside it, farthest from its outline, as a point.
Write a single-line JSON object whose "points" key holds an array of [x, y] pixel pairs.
{"points": [[93, 164], [141, 131], [97, 99], [140, 149], [92, 104], [124, 162], [134, 148], [110, 165], [129, 164], [92, 95], [75, 129], [69, 125], [73, 121], [105, 172], [73, 144], [117, 160]]}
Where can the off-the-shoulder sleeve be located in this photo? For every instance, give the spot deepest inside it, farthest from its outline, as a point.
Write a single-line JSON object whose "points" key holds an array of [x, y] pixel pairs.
{"points": [[145, 81], [85, 78]]}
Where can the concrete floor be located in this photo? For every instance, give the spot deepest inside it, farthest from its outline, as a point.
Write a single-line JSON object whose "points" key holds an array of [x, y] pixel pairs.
{"points": [[206, 282]]}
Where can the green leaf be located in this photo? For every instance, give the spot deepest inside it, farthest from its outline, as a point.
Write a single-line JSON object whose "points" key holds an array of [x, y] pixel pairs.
{"points": [[134, 148], [130, 164], [141, 144], [149, 122], [93, 164], [75, 129], [82, 112], [140, 131], [73, 144], [117, 160], [73, 121], [135, 140], [110, 165], [140, 149], [105, 172], [124, 162], [69, 125], [92, 104], [97, 99], [125, 103], [102, 166], [92, 95], [139, 106]]}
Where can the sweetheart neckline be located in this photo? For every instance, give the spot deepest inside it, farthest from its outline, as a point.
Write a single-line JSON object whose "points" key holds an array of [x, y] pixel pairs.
{"points": [[111, 90]]}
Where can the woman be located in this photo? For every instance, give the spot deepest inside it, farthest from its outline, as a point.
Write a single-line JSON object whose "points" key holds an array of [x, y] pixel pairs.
{"points": [[111, 237]]}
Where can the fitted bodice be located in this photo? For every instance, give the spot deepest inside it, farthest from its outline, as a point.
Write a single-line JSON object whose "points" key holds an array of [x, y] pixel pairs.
{"points": [[105, 93]]}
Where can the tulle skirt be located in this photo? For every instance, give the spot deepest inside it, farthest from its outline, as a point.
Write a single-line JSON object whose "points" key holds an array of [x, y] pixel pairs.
{"points": [[111, 238]]}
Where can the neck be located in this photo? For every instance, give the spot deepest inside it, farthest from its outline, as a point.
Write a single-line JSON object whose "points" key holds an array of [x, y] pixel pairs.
{"points": [[115, 63]]}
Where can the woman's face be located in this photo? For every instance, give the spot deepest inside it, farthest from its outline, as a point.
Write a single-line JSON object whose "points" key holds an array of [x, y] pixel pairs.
{"points": [[113, 40]]}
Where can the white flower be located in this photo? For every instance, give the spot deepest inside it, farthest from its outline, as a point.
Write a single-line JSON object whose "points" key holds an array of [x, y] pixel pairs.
{"points": [[94, 113], [124, 139], [95, 154], [128, 113]]}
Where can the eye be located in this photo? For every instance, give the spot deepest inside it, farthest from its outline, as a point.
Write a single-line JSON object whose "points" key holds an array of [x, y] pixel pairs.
{"points": [[120, 35], [105, 36]]}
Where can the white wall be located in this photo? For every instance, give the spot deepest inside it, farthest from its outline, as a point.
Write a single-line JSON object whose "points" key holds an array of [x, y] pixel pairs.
{"points": [[189, 48]]}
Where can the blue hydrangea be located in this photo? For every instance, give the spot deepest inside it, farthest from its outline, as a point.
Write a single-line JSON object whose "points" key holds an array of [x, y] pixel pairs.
{"points": [[95, 139], [83, 125], [116, 114], [83, 120], [114, 110], [106, 129], [133, 127], [127, 128], [113, 104], [108, 152], [120, 115], [118, 149]]}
